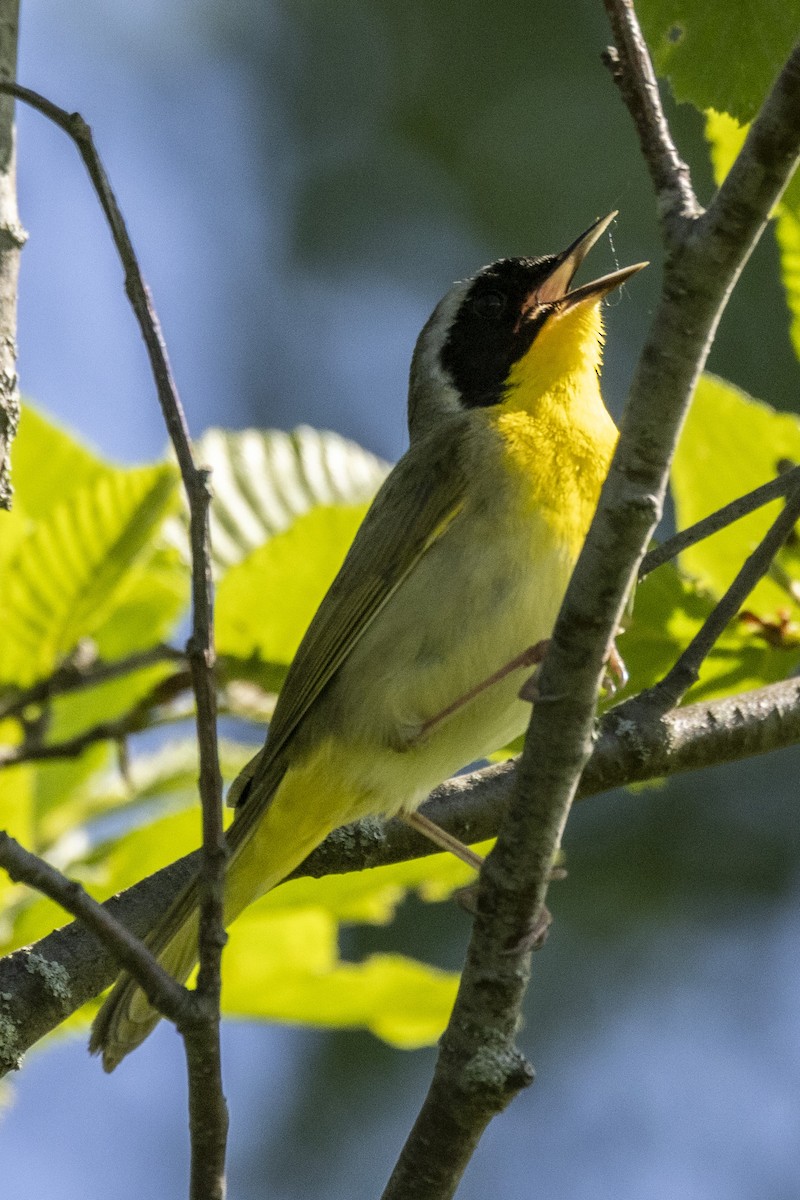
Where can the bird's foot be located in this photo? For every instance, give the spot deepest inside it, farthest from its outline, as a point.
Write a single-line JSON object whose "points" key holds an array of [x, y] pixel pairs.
{"points": [[616, 673]]}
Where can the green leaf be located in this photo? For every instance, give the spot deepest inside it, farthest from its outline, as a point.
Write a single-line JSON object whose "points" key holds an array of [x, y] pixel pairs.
{"points": [[285, 967], [725, 137], [17, 788], [50, 463], [668, 611], [787, 232], [147, 606], [265, 603], [263, 479], [372, 896], [721, 54], [730, 444], [65, 578], [155, 783]]}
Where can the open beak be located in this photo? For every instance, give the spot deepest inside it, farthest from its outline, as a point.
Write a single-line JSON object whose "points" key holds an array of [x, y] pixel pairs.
{"points": [[556, 287]]}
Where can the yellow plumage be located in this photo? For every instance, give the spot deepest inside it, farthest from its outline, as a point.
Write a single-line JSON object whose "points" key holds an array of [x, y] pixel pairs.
{"points": [[460, 565]]}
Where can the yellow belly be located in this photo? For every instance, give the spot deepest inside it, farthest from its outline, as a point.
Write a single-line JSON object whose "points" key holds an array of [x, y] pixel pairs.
{"points": [[488, 590]]}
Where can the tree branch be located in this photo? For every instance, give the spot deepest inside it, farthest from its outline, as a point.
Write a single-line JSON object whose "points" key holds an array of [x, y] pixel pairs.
{"points": [[479, 1068], [632, 71], [721, 519], [207, 1110], [12, 239], [82, 669], [635, 743], [124, 947], [684, 673], [138, 718]]}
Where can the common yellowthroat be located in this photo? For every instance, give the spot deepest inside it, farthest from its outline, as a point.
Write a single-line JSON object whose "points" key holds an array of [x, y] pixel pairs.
{"points": [[413, 663]]}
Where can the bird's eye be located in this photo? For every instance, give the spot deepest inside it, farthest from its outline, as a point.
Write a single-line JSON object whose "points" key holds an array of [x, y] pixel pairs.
{"points": [[489, 304]]}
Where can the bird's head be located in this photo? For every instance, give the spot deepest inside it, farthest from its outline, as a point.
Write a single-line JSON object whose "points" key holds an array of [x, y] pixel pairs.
{"points": [[517, 323]]}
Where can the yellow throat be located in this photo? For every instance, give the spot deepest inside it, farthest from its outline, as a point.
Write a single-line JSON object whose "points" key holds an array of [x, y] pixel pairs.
{"points": [[556, 431]]}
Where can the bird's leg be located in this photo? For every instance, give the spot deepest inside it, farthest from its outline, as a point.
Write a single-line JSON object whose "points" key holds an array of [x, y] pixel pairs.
{"points": [[528, 658], [615, 676], [443, 839]]}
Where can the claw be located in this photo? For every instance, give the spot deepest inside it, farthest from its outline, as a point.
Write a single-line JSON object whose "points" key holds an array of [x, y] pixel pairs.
{"points": [[616, 673]]}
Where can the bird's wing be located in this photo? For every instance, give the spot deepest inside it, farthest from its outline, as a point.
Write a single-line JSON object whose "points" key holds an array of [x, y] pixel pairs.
{"points": [[418, 501]]}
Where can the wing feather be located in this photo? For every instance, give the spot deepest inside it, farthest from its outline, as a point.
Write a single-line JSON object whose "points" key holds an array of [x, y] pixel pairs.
{"points": [[421, 497]]}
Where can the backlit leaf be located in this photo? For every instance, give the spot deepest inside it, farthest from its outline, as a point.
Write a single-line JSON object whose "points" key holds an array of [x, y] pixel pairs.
{"points": [[262, 480], [730, 444], [721, 54], [64, 579], [265, 602]]}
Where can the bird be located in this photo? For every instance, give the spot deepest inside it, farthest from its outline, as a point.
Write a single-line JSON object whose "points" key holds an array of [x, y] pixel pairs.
{"points": [[414, 663]]}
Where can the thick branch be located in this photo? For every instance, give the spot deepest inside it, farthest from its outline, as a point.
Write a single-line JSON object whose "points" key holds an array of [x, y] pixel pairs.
{"points": [[12, 239], [635, 744], [124, 947]]}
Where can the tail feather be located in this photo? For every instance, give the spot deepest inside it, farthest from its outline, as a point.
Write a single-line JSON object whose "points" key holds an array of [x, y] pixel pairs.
{"points": [[274, 830], [127, 1017]]}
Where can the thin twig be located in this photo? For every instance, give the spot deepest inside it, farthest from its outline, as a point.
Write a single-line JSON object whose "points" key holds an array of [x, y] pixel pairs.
{"points": [[669, 691], [144, 716], [81, 670], [718, 520], [207, 1109], [634, 744], [126, 949], [632, 71], [138, 718]]}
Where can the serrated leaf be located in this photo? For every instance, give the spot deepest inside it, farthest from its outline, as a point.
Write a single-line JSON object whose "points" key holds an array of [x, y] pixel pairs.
{"points": [[721, 54], [265, 603], [730, 444], [48, 464], [263, 479], [63, 580]]}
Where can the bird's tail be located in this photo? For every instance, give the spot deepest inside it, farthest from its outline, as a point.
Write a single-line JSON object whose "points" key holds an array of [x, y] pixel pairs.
{"points": [[127, 1016], [271, 835]]}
